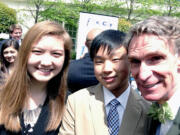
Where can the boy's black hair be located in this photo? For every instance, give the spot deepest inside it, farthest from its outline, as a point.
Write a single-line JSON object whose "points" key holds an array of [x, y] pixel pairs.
{"points": [[109, 39]]}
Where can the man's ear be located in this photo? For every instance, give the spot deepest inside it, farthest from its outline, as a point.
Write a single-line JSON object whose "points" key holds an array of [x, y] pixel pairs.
{"points": [[178, 64]]}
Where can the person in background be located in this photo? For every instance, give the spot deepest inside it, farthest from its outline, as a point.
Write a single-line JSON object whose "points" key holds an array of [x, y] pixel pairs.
{"points": [[33, 98], [110, 107], [15, 32], [8, 56], [81, 71], [153, 54], [133, 84]]}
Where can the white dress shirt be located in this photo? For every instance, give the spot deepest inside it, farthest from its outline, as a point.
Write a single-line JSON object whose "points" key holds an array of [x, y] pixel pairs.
{"points": [[174, 104]]}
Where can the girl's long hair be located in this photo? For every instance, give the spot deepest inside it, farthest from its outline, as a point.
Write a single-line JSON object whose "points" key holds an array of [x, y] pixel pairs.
{"points": [[14, 93]]}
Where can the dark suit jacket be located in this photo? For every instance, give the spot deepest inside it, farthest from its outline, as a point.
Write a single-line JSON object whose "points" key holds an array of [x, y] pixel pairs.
{"points": [[85, 114], [151, 126], [175, 129], [81, 74]]}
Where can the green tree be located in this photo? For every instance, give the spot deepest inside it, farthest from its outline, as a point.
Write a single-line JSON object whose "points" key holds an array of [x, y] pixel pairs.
{"points": [[7, 17], [170, 6], [123, 25], [36, 6], [65, 13], [130, 11], [85, 5]]}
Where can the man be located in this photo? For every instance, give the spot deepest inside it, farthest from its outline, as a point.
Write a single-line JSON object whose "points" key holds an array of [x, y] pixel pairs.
{"points": [[110, 107], [81, 71], [15, 31], [153, 55]]}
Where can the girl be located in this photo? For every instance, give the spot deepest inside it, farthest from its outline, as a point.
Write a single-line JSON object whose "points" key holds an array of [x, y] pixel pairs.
{"points": [[9, 53], [32, 99]]}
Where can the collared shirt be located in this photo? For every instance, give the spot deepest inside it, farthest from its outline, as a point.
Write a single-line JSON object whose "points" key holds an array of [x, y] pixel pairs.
{"points": [[174, 104], [123, 98], [19, 41]]}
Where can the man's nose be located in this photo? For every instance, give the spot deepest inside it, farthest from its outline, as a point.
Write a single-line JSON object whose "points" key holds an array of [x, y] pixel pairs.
{"points": [[144, 71]]}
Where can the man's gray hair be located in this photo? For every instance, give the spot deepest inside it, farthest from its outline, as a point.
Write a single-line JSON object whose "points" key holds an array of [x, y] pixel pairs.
{"points": [[168, 27]]}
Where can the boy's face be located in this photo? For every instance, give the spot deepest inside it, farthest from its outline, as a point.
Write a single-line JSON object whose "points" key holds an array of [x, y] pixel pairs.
{"points": [[112, 69]]}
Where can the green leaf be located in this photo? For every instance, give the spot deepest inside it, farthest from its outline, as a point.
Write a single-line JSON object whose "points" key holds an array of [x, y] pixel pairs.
{"points": [[160, 112]]}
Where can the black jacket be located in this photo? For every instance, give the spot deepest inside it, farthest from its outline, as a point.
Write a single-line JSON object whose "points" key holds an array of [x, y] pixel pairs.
{"points": [[39, 128], [81, 74]]}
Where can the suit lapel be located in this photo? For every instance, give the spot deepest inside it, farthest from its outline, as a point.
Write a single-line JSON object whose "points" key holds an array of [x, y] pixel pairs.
{"points": [[175, 129], [97, 110], [131, 116]]}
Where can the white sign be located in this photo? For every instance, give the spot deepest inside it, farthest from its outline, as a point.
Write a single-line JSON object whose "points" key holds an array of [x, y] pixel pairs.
{"points": [[88, 21]]}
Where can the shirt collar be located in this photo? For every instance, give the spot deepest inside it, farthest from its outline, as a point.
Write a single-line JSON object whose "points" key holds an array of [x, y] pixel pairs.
{"points": [[173, 103], [123, 98]]}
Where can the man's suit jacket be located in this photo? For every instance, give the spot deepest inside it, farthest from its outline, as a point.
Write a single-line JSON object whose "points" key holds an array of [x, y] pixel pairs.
{"points": [[81, 74], [85, 114], [175, 129]]}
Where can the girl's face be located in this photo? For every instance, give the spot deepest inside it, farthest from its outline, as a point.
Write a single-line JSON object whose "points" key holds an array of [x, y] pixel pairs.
{"points": [[46, 58], [10, 54]]}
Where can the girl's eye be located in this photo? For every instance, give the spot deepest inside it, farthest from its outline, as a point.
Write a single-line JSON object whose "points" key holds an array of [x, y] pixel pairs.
{"points": [[12, 52], [5, 52], [37, 52], [57, 54]]}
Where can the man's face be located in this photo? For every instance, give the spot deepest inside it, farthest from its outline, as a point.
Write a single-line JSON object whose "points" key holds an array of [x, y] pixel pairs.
{"points": [[112, 70], [16, 34], [154, 66]]}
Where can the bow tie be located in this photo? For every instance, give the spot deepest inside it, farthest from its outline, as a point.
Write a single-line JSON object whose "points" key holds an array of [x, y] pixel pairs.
{"points": [[160, 112]]}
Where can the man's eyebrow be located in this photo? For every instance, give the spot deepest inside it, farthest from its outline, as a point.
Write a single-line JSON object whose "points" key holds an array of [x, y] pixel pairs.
{"points": [[98, 57], [132, 57]]}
